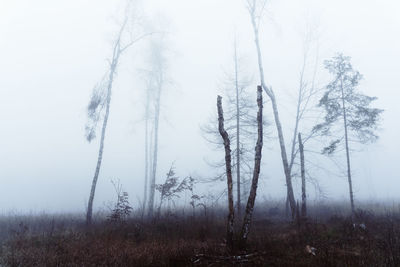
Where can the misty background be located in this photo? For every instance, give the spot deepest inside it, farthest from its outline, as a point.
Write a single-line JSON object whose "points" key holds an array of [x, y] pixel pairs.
{"points": [[53, 53]]}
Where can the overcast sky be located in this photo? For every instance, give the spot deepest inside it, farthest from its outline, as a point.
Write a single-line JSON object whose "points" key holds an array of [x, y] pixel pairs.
{"points": [[52, 53]]}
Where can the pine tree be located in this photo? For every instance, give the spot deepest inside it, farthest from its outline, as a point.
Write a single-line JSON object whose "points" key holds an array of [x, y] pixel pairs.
{"points": [[343, 102]]}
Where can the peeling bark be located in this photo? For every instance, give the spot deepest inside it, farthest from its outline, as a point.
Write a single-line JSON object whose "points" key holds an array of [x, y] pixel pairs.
{"points": [[228, 163], [256, 173]]}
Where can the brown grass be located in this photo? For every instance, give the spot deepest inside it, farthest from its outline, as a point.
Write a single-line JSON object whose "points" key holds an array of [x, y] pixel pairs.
{"points": [[175, 241]]}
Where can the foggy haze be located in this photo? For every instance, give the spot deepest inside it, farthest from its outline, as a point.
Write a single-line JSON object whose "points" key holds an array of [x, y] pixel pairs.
{"points": [[53, 53]]}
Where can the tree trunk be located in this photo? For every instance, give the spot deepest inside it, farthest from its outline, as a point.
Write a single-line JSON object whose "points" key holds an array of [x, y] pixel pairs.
{"points": [[159, 208], [285, 163], [303, 179], [256, 173], [347, 151], [271, 95], [238, 183], [228, 163], [146, 153], [155, 155], [103, 133]]}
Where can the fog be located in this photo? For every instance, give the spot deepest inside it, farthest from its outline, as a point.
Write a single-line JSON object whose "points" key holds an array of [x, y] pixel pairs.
{"points": [[53, 53]]}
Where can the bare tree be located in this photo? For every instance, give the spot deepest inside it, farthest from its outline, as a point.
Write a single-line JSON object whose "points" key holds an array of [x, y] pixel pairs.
{"points": [[99, 104], [238, 182], [307, 94], [341, 101], [303, 179], [147, 144], [228, 164], [256, 173], [256, 8], [240, 123], [157, 81]]}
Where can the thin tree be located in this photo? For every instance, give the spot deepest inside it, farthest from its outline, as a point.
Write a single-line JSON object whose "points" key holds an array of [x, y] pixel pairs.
{"points": [[342, 101], [171, 188], [307, 95], [240, 123], [228, 164], [158, 81], [238, 182], [256, 8], [256, 172], [99, 106], [303, 179], [147, 147]]}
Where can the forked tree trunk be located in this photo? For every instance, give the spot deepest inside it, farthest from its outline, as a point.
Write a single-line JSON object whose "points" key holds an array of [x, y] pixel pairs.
{"points": [[228, 164], [272, 97], [303, 179], [256, 172]]}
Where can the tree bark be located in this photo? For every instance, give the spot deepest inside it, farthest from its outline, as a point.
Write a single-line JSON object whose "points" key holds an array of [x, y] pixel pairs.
{"points": [[303, 179], [272, 97], [256, 172], [97, 171], [114, 63], [228, 163], [347, 151], [285, 163]]}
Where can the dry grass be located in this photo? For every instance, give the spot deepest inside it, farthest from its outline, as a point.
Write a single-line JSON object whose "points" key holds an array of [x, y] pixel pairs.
{"points": [[180, 241]]}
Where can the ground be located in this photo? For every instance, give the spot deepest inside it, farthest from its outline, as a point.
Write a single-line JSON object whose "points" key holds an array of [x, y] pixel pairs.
{"points": [[325, 238]]}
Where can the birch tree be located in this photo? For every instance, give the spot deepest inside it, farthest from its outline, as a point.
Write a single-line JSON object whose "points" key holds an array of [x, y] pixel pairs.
{"points": [[228, 164], [348, 114], [256, 172], [98, 109], [256, 8]]}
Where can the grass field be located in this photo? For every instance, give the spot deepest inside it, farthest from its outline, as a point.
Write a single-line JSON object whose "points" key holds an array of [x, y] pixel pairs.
{"points": [[327, 238]]}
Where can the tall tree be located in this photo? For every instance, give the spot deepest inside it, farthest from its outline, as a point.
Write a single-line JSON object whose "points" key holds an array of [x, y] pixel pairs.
{"points": [[240, 123], [147, 146], [99, 104], [237, 103], [303, 179], [256, 8], [228, 164], [342, 102], [256, 172], [157, 76], [307, 96]]}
